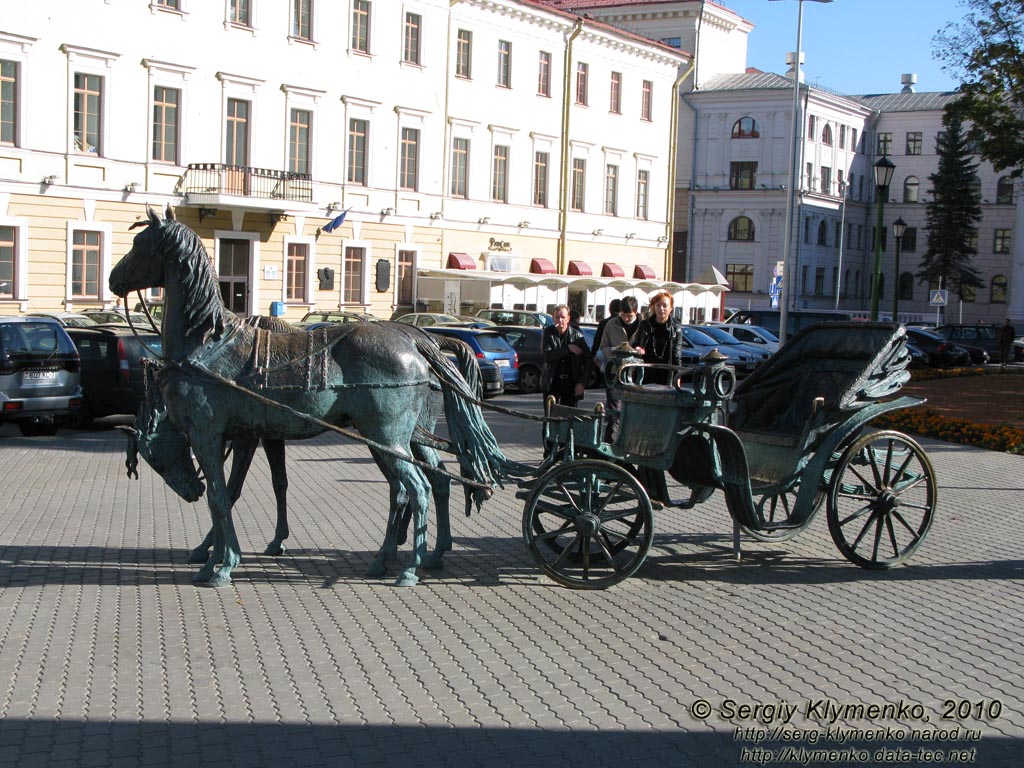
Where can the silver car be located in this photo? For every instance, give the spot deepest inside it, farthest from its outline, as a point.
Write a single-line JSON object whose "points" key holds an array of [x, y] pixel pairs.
{"points": [[40, 374]]}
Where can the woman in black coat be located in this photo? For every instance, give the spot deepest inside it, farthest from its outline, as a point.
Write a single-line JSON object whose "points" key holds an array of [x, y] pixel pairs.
{"points": [[659, 339]]}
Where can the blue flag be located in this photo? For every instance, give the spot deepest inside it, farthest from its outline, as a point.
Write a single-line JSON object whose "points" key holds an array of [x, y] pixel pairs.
{"points": [[337, 221]]}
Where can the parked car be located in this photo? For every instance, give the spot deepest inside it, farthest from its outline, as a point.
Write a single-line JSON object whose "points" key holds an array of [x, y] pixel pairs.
{"points": [[726, 339], [981, 335], [113, 380], [526, 341], [40, 375], [68, 319], [516, 317], [490, 376], [940, 352], [918, 358], [752, 334], [486, 345], [118, 316], [335, 317], [700, 343], [427, 319], [471, 321]]}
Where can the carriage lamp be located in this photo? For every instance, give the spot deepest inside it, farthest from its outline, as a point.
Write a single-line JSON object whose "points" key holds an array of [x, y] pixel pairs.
{"points": [[899, 227], [883, 175]]}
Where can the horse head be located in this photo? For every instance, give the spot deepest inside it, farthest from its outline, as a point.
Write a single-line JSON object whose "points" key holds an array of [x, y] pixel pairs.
{"points": [[165, 449], [142, 266]]}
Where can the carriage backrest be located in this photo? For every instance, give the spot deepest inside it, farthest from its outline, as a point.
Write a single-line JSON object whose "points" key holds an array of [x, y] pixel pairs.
{"points": [[846, 365]]}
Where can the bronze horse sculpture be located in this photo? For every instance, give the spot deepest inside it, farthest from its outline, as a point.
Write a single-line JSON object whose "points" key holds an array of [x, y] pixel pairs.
{"points": [[224, 380]]}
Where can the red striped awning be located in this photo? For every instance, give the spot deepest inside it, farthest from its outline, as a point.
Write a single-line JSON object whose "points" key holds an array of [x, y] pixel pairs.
{"points": [[643, 272], [542, 267], [611, 269], [580, 268], [460, 261]]}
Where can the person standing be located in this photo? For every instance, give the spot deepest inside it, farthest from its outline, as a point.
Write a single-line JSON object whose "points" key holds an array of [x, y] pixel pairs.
{"points": [[1007, 333], [566, 360], [619, 330], [658, 338]]}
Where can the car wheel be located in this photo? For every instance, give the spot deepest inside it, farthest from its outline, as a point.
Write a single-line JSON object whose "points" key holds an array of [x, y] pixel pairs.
{"points": [[529, 380], [85, 415], [37, 429]]}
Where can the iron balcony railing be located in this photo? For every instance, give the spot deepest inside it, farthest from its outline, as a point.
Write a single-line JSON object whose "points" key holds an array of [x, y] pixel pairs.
{"points": [[243, 181]]}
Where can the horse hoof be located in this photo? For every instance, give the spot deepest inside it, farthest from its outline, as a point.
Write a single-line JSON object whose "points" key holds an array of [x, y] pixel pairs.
{"points": [[198, 556], [219, 580], [407, 580], [274, 550], [376, 570]]}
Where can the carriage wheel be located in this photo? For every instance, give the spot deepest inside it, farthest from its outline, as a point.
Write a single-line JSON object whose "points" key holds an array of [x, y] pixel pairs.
{"points": [[589, 524], [881, 499], [778, 507]]}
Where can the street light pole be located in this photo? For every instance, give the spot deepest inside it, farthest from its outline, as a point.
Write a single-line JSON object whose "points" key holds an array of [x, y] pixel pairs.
{"points": [[794, 177], [899, 227], [842, 229], [883, 175]]}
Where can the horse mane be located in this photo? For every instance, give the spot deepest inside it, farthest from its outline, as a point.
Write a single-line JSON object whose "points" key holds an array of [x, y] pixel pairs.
{"points": [[202, 310]]}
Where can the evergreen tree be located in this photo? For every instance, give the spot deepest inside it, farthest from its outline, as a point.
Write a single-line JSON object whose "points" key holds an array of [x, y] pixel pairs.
{"points": [[952, 213]]}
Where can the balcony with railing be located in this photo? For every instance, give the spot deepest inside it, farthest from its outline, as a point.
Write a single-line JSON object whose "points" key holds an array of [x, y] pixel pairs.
{"points": [[220, 183]]}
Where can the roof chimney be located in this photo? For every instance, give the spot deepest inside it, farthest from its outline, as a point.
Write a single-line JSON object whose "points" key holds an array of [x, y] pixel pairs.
{"points": [[908, 81], [790, 58]]}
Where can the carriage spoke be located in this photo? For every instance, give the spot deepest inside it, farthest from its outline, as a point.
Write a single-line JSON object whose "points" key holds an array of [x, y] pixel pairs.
{"points": [[905, 524], [863, 531], [856, 514], [554, 534], [892, 535], [867, 483]]}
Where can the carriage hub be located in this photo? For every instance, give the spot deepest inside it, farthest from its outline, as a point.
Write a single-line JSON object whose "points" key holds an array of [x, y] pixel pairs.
{"points": [[588, 524]]}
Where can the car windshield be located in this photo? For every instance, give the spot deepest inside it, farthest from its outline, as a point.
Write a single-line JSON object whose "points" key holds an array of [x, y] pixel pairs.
{"points": [[492, 343], [768, 335], [719, 335], [32, 339], [696, 337], [917, 333]]}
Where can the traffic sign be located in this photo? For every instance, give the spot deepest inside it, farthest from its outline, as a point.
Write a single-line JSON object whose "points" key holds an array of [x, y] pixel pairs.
{"points": [[938, 298]]}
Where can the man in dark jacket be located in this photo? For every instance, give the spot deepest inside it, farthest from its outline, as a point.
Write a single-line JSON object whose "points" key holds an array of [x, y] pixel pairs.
{"points": [[566, 360]]}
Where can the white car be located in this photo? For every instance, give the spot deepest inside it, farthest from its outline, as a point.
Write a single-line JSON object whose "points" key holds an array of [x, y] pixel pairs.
{"points": [[754, 335]]}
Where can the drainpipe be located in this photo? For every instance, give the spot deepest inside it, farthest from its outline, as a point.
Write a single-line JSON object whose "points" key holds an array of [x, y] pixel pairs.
{"points": [[673, 152], [563, 171]]}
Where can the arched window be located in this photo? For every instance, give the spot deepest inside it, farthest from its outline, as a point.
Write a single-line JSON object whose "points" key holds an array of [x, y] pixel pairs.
{"points": [[745, 128], [860, 188], [822, 233], [1004, 190], [910, 189], [999, 289], [967, 292], [907, 285], [741, 228], [826, 135], [851, 188], [846, 283], [975, 185]]}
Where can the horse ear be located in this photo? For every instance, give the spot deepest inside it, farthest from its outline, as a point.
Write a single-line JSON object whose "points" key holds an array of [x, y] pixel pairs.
{"points": [[169, 215], [154, 220]]}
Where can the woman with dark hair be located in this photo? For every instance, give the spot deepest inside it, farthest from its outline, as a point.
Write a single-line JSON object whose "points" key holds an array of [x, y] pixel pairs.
{"points": [[658, 339]]}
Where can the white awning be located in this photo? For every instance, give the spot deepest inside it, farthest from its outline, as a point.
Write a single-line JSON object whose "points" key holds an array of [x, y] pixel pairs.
{"points": [[577, 282]]}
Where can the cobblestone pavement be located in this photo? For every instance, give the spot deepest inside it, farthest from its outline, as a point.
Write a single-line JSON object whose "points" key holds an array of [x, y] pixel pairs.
{"points": [[109, 656]]}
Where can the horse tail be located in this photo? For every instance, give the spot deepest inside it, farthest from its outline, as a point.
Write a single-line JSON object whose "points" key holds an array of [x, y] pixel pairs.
{"points": [[468, 366], [480, 457]]}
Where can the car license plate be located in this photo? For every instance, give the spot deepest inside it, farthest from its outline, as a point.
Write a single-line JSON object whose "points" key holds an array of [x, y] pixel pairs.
{"points": [[502, 363], [39, 375]]}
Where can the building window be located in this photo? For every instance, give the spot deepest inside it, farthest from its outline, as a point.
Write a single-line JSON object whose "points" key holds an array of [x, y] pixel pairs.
{"points": [[810, 175], [840, 183], [853, 140], [499, 181], [544, 74], [8, 101], [837, 235], [826, 180], [579, 178], [541, 161], [911, 189], [296, 270], [85, 264], [643, 189], [8, 261], [914, 142], [302, 19], [411, 38], [967, 292], [745, 128], [740, 276], [646, 99], [1004, 190], [88, 105], [822, 233], [826, 135], [236, 150], [404, 274], [812, 127], [742, 175], [999, 289], [173, 5], [358, 137], [504, 64], [352, 279], [408, 174], [241, 13], [615, 94], [842, 137], [611, 190], [742, 229], [906, 286], [1001, 241], [909, 241], [464, 54], [884, 143], [807, 230], [166, 113], [460, 167], [298, 140], [361, 26], [819, 281], [582, 73]]}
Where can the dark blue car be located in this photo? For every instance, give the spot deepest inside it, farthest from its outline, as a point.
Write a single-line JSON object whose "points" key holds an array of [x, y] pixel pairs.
{"points": [[486, 345]]}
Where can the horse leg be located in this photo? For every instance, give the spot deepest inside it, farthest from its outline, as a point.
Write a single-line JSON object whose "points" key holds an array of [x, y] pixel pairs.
{"points": [[440, 487], [209, 454], [398, 504], [274, 449], [414, 481], [242, 452]]}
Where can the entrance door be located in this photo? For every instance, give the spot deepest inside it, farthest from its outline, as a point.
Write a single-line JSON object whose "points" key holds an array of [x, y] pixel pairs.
{"points": [[233, 273]]}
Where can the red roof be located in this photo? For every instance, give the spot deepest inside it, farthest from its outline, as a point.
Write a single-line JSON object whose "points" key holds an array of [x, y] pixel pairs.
{"points": [[580, 268], [542, 267], [460, 261], [611, 269], [643, 272]]}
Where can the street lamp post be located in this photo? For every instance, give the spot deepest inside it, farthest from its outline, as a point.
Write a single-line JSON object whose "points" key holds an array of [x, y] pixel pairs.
{"points": [[842, 228], [794, 178], [899, 227], [883, 175]]}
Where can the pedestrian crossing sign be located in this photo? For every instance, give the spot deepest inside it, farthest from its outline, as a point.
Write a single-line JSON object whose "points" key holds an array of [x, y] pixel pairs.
{"points": [[938, 298]]}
